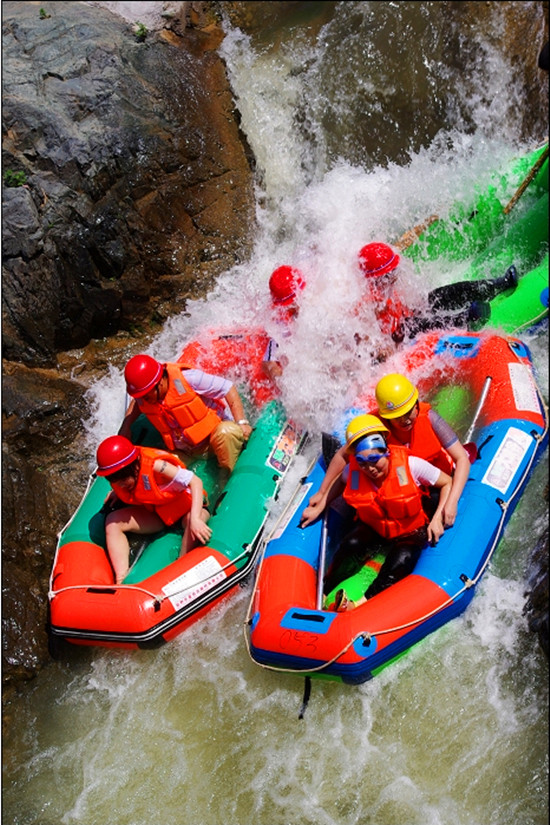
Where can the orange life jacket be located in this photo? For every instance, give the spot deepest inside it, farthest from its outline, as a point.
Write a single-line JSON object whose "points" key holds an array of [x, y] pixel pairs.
{"points": [[393, 509], [170, 505], [424, 442], [389, 311], [181, 413]]}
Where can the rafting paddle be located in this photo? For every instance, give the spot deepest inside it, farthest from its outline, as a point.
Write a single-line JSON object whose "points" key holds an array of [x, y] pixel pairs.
{"points": [[411, 235], [529, 177]]}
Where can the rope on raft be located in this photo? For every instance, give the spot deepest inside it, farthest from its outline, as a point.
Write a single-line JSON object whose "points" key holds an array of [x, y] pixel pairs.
{"points": [[157, 597]]}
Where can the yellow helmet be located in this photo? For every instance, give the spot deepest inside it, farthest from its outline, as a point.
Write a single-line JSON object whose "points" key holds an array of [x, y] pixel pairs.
{"points": [[363, 425], [395, 395]]}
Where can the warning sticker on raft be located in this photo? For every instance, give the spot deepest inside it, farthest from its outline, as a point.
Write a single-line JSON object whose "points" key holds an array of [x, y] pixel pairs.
{"points": [[191, 585], [507, 459], [285, 447], [523, 387]]}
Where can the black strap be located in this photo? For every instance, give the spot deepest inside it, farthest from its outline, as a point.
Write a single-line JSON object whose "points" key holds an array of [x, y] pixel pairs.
{"points": [[305, 700], [330, 445]]}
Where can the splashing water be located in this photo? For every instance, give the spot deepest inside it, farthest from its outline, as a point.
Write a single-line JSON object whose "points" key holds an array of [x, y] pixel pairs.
{"points": [[361, 128]]}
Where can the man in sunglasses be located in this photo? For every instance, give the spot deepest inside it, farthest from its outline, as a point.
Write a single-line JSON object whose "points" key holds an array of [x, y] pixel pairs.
{"points": [[382, 484]]}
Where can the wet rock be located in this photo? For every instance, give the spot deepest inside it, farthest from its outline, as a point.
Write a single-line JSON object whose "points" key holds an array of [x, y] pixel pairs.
{"points": [[44, 471], [137, 182]]}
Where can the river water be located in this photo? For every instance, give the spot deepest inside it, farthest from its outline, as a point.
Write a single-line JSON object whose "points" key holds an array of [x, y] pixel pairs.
{"points": [[364, 119]]}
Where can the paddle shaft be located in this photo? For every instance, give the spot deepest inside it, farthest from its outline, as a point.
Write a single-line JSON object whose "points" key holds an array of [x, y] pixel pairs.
{"points": [[526, 182], [412, 235], [482, 400], [322, 558]]}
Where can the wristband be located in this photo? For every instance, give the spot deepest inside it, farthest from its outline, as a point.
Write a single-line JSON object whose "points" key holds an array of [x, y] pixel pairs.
{"points": [[244, 421]]}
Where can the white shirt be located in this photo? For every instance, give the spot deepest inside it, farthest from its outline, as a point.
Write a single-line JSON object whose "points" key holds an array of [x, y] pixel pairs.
{"points": [[211, 388], [180, 482]]}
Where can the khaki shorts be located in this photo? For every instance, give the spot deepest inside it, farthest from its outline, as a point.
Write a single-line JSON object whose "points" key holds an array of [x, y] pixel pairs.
{"points": [[226, 443]]}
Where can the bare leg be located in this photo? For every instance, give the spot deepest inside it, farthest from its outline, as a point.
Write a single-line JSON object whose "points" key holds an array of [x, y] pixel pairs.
{"points": [[127, 520]]}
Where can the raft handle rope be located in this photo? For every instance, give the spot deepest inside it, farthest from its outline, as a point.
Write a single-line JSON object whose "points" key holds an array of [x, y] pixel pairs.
{"points": [[159, 599], [532, 321], [366, 636]]}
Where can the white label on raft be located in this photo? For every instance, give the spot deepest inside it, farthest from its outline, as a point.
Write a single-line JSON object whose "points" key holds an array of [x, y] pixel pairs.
{"points": [[189, 586], [507, 459], [523, 387]]}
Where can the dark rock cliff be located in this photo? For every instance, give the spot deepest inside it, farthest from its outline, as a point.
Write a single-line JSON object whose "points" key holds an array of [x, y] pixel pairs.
{"points": [[137, 183]]}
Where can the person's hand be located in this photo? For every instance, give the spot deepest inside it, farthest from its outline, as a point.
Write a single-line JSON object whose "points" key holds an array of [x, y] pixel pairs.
{"points": [[435, 530], [313, 510], [200, 530], [109, 503], [449, 514], [272, 369], [383, 353], [247, 430]]}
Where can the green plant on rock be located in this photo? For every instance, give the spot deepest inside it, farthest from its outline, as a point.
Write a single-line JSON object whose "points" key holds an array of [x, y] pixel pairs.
{"points": [[13, 179], [140, 31], [43, 14]]}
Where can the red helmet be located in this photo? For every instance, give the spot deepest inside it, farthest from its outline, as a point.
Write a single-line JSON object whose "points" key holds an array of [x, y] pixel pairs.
{"points": [[377, 259], [284, 284], [142, 373], [113, 454]]}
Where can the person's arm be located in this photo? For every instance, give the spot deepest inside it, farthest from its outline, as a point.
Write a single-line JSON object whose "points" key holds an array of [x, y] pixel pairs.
{"points": [[426, 475], [132, 414], [169, 472], [320, 499], [220, 390], [436, 527], [450, 442], [200, 531], [235, 404], [460, 477]]}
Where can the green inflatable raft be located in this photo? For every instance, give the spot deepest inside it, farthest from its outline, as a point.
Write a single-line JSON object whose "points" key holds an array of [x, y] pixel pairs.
{"points": [[164, 593], [505, 224]]}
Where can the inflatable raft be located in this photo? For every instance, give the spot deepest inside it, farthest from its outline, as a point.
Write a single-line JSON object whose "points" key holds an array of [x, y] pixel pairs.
{"points": [[492, 378], [505, 224], [163, 594]]}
